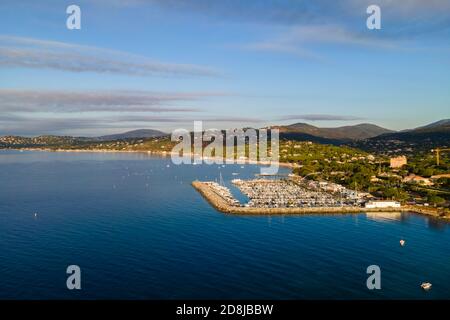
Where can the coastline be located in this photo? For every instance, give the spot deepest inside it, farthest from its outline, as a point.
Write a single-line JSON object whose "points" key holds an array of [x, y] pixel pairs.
{"points": [[221, 205], [165, 154]]}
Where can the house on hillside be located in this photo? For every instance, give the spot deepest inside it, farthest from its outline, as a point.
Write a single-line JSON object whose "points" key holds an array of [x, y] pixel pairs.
{"points": [[412, 178], [398, 162]]}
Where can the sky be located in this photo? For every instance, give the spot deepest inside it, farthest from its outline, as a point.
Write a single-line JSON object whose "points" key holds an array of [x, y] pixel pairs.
{"points": [[162, 64]]}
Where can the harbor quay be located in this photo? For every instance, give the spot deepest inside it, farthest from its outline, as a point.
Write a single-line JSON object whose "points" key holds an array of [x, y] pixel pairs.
{"points": [[285, 197]]}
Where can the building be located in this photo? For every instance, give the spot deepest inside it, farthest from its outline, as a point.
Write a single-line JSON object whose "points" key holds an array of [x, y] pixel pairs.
{"points": [[412, 178], [374, 179], [382, 204], [398, 162], [439, 176]]}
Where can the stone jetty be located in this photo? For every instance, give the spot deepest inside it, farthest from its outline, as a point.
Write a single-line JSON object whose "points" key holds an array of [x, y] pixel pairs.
{"points": [[223, 204]]}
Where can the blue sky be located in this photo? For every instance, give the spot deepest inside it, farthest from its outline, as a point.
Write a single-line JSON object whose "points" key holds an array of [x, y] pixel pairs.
{"points": [[164, 63]]}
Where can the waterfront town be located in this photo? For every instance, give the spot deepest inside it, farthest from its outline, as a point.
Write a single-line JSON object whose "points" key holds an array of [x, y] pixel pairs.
{"points": [[365, 174], [342, 179]]}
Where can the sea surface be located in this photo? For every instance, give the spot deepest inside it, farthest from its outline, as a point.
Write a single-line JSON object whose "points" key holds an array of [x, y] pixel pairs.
{"points": [[138, 230]]}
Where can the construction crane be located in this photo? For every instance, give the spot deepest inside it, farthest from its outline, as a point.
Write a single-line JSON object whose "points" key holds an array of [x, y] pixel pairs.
{"points": [[438, 150]]}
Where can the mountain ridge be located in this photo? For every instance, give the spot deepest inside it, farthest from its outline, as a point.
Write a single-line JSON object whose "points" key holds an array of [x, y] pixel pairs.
{"points": [[133, 134], [439, 130], [351, 132]]}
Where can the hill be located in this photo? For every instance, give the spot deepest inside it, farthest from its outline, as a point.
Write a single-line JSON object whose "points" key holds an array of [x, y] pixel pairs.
{"points": [[355, 132], [436, 132], [424, 138], [441, 124], [134, 134]]}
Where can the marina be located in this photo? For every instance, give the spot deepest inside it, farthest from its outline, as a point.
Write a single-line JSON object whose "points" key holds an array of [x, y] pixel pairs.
{"points": [[290, 193], [274, 197]]}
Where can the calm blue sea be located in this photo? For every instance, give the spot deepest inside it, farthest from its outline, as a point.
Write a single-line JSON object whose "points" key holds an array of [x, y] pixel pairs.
{"points": [[138, 230]]}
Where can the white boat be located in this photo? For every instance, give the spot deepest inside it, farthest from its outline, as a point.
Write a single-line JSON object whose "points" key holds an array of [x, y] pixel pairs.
{"points": [[402, 242], [426, 286]]}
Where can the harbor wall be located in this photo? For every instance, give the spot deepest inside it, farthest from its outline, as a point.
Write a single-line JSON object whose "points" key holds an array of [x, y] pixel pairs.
{"points": [[221, 205]]}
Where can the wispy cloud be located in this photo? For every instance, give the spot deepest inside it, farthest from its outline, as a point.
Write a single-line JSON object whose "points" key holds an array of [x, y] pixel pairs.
{"points": [[295, 12], [36, 112], [403, 19], [320, 117], [13, 124], [97, 101], [45, 54], [303, 40]]}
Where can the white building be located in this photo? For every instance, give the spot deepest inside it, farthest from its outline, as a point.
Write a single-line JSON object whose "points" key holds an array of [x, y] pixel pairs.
{"points": [[382, 204]]}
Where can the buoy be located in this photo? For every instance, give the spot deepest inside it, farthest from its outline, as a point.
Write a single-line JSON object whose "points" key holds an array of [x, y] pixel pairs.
{"points": [[402, 242], [426, 286]]}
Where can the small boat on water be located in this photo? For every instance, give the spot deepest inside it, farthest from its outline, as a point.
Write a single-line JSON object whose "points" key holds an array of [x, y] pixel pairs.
{"points": [[235, 173], [426, 286], [402, 242]]}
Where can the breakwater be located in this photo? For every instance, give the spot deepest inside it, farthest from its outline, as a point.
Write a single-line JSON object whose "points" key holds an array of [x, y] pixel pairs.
{"points": [[222, 205]]}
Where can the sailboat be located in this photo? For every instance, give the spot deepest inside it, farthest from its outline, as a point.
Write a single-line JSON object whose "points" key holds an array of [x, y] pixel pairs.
{"points": [[221, 180]]}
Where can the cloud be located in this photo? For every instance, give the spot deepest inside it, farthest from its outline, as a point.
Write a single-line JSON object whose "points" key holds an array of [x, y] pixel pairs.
{"points": [[13, 100], [402, 8], [320, 117], [40, 126], [333, 34], [259, 11], [402, 19], [283, 47], [302, 41], [288, 12], [98, 125], [35, 112], [45, 54]]}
